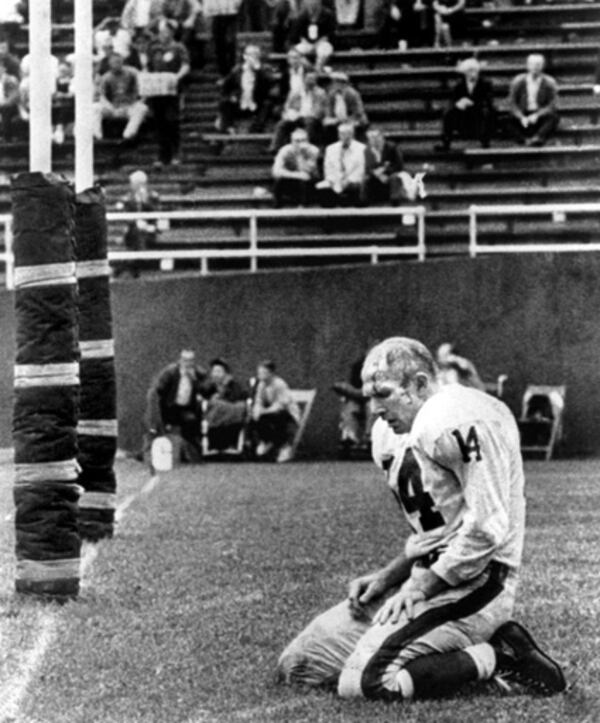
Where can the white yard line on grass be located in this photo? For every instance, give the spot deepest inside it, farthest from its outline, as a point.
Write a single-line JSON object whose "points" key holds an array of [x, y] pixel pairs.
{"points": [[12, 693]]}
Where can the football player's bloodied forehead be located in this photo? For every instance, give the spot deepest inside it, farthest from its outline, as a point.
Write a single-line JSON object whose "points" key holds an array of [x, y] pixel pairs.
{"points": [[375, 372]]}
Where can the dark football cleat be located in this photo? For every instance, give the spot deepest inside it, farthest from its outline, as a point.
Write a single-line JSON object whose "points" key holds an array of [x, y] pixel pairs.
{"points": [[519, 659]]}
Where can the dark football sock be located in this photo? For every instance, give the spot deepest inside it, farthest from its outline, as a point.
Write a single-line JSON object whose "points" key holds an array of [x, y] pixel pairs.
{"points": [[440, 674]]}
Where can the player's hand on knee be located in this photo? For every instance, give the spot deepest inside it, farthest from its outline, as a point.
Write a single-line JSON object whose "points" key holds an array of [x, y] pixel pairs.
{"points": [[364, 590], [403, 601]]}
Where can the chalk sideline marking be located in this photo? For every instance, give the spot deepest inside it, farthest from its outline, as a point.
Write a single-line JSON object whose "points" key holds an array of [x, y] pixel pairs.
{"points": [[12, 693]]}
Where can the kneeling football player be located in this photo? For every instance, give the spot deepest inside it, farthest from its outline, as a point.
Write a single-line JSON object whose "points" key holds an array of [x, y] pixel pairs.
{"points": [[439, 615]]}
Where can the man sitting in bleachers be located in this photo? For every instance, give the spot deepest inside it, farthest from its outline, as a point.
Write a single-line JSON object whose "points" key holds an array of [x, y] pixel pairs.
{"points": [[344, 105], [313, 32], [471, 112], [293, 73], [9, 102], [343, 170], [533, 99], [110, 29], [383, 164], [295, 170], [119, 99], [140, 234], [304, 108], [246, 93], [11, 62]]}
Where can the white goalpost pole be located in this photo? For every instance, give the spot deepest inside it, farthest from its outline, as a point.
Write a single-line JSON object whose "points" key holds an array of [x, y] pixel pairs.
{"points": [[41, 83], [84, 95]]}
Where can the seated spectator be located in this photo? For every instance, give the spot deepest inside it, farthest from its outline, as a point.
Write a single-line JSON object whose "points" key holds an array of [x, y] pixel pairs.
{"points": [[383, 165], [63, 102], [293, 74], [9, 102], [449, 21], [295, 171], [106, 49], [110, 29], [166, 55], [533, 99], [11, 62], [140, 234], [344, 105], [456, 369], [471, 113], [223, 15], [119, 99], [313, 33], [397, 24], [346, 12], [139, 15], [343, 170], [173, 407], [11, 18], [284, 16], [246, 93], [226, 407], [274, 413], [303, 109]]}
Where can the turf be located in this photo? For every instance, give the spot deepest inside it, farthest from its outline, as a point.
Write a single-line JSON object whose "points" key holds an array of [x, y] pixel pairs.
{"points": [[182, 616]]}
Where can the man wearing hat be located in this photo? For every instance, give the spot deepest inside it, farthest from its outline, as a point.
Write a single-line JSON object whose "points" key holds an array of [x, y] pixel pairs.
{"points": [[344, 105], [471, 112]]}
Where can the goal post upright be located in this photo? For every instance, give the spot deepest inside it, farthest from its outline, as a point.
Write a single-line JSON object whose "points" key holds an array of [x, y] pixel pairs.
{"points": [[84, 95], [40, 86]]}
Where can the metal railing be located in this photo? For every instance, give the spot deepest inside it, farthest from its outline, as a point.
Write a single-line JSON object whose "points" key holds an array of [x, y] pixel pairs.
{"points": [[557, 212], [254, 252]]}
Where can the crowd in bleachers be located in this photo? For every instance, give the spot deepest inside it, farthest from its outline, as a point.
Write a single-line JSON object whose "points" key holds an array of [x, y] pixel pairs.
{"points": [[327, 153], [320, 129]]}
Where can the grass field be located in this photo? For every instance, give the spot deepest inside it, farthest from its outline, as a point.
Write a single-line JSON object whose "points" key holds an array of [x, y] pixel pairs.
{"points": [[183, 615]]}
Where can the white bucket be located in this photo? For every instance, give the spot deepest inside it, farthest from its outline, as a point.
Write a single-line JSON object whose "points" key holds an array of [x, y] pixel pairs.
{"points": [[162, 454]]}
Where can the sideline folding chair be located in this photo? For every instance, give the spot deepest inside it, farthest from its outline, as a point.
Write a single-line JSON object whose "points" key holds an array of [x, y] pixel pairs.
{"points": [[304, 398], [496, 388], [541, 422]]}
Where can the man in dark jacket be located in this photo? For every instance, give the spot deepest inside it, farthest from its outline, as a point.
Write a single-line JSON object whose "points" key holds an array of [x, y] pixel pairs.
{"points": [[471, 112], [313, 33], [383, 164], [532, 102], [246, 93], [174, 407]]}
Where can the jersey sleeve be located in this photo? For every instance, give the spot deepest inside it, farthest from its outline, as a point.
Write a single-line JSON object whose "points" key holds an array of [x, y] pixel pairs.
{"points": [[476, 454]]}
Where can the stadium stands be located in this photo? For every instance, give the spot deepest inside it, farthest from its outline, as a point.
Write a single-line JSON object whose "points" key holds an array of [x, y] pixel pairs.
{"points": [[405, 93]]}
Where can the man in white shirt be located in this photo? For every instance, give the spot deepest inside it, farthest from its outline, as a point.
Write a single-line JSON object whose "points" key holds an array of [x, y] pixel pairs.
{"points": [[437, 617], [343, 170], [532, 100]]}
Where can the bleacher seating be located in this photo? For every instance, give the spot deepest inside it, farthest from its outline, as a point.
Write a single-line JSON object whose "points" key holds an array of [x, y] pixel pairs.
{"points": [[405, 93]]}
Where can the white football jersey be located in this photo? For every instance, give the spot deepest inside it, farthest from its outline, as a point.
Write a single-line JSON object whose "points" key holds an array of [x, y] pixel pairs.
{"points": [[459, 478]]}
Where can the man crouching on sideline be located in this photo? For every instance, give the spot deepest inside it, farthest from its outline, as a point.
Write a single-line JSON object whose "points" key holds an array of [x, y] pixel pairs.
{"points": [[438, 616]]}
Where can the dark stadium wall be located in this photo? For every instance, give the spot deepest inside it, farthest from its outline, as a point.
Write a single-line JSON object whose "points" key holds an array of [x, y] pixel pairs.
{"points": [[533, 317]]}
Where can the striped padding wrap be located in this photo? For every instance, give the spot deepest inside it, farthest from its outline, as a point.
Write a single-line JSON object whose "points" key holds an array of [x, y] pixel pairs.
{"points": [[97, 427], [46, 394]]}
